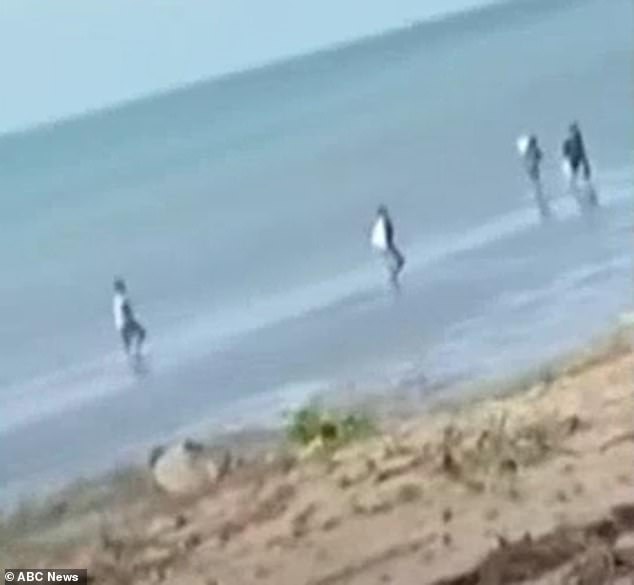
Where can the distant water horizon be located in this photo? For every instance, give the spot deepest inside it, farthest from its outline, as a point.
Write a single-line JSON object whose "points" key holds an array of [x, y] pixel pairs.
{"points": [[466, 10], [239, 212]]}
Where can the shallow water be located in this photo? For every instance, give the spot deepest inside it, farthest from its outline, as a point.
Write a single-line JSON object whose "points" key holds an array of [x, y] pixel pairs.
{"points": [[239, 212]]}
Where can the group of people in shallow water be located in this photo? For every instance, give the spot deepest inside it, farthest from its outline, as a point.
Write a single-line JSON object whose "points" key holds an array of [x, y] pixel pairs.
{"points": [[133, 334], [576, 164], [382, 235]]}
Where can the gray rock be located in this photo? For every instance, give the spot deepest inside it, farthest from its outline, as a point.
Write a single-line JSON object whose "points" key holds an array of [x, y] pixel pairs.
{"points": [[184, 468]]}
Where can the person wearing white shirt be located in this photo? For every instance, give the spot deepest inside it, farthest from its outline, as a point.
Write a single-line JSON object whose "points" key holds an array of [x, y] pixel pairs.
{"points": [[531, 154], [132, 332], [382, 239]]}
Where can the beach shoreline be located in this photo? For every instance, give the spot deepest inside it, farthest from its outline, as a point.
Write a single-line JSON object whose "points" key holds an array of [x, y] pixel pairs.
{"points": [[389, 405], [420, 460]]}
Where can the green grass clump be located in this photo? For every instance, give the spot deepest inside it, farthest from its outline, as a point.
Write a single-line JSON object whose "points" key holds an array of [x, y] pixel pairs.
{"points": [[312, 423]]}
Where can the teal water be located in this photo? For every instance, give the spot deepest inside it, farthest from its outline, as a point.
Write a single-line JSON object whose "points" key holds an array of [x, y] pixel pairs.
{"points": [[238, 210]]}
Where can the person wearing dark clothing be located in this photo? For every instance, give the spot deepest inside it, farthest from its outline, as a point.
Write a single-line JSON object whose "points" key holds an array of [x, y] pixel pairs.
{"points": [[383, 241], [576, 159], [574, 152], [132, 333]]}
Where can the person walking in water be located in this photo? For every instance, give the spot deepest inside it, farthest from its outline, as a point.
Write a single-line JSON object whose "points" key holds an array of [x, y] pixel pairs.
{"points": [[383, 241], [576, 161], [532, 156], [132, 332]]}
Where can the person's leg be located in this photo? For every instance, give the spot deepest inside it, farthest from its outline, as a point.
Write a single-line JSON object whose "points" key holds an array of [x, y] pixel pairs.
{"points": [[593, 198], [126, 337], [585, 164], [590, 191], [575, 189], [538, 191], [396, 262], [139, 336], [142, 335], [571, 170], [566, 167]]}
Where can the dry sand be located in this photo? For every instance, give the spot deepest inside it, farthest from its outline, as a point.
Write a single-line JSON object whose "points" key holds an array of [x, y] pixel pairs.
{"points": [[535, 487]]}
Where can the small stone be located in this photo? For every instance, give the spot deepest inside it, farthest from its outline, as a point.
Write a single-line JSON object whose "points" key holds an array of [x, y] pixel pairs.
{"points": [[227, 531], [561, 496], [571, 424], [409, 492], [192, 540], [449, 464], [508, 466], [447, 515], [180, 521]]}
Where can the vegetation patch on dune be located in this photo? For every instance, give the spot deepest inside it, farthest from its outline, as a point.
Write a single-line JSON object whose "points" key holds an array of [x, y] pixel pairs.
{"points": [[313, 426]]}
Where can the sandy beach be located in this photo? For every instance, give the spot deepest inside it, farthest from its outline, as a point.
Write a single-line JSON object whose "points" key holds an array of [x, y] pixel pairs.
{"points": [[533, 484]]}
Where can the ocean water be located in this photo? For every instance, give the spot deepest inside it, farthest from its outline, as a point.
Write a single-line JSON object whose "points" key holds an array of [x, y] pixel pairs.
{"points": [[238, 210]]}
